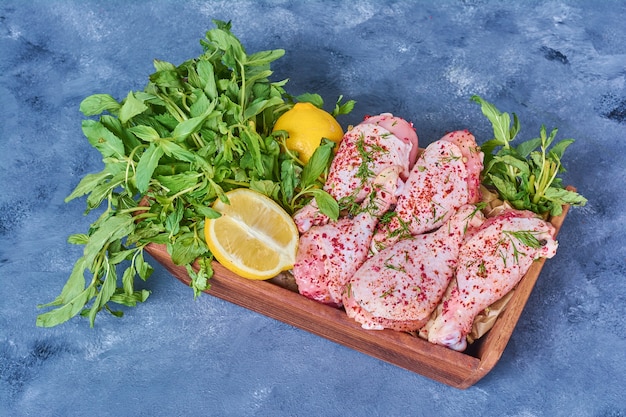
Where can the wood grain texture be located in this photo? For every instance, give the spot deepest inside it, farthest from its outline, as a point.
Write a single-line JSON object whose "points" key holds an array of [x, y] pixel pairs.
{"points": [[457, 369]]}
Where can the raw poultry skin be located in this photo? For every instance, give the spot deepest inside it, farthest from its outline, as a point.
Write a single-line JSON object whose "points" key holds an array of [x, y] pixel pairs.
{"points": [[401, 286], [444, 177], [490, 264], [328, 255], [377, 143]]}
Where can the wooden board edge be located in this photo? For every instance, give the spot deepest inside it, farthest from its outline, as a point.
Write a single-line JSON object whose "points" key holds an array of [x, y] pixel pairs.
{"points": [[441, 364], [400, 349]]}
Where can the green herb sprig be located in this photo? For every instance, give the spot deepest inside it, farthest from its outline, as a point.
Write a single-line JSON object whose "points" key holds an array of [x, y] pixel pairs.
{"points": [[525, 175], [196, 131]]}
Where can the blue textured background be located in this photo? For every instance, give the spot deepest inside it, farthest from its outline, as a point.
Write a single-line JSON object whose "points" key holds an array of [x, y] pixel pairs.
{"points": [[562, 63]]}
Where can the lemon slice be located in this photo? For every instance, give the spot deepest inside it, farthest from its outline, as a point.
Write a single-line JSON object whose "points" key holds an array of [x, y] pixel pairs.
{"points": [[254, 237]]}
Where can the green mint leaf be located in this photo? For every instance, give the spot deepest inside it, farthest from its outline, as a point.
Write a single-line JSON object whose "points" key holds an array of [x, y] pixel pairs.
{"points": [[78, 239], [166, 75], [131, 107], [172, 149], [233, 52], [130, 300], [121, 255], [515, 127], [99, 103], [202, 106], [128, 279], [318, 163], [223, 25], [143, 268], [67, 311], [206, 212], [186, 248], [106, 291], [253, 146], [345, 108], [521, 165], [172, 221], [160, 65], [207, 78], [550, 138], [187, 127], [564, 196], [559, 148], [103, 139], [525, 148], [177, 183], [314, 99], [103, 190], [267, 187], [259, 105], [288, 178], [146, 166], [73, 287], [146, 133], [114, 125], [506, 189], [110, 229], [264, 57], [500, 121], [200, 279], [87, 184], [326, 203]]}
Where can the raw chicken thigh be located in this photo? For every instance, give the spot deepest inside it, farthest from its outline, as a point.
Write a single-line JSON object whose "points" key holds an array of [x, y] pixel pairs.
{"points": [[328, 255], [364, 152], [445, 177], [490, 264], [401, 286]]}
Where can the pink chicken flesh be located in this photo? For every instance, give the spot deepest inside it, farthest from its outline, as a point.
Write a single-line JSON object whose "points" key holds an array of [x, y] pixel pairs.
{"points": [[445, 177], [377, 143], [399, 287], [490, 264], [328, 255]]}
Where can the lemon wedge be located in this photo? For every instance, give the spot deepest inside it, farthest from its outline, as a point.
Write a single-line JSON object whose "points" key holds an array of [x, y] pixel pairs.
{"points": [[254, 237]]}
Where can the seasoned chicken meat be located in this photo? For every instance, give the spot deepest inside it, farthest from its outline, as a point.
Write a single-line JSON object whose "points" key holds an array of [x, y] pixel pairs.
{"points": [[445, 177], [328, 255], [399, 287], [377, 143], [490, 264]]}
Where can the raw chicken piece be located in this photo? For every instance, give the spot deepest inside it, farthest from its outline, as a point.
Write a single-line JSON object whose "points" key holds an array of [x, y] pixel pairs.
{"points": [[490, 264], [364, 152], [401, 129], [445, 177], [328, 255], [400, 287]]}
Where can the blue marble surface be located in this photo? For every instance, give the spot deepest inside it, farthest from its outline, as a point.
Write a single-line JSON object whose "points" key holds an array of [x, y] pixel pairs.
{"points": [[559, 63]]}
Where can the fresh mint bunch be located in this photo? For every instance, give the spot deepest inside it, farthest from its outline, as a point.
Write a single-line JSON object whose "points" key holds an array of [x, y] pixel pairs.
{"points": [[196, 131], [525, 175]]}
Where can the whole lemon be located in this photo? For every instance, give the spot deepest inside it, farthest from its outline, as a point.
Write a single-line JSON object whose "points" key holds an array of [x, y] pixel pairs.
{"points": [[306, 125]]}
